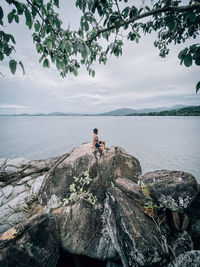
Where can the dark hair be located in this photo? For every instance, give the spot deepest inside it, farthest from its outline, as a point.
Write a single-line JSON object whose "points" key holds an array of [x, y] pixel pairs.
{"points": [[95, 131]]}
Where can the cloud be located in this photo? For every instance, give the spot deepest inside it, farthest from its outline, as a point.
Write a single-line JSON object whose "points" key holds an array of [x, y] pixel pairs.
{"points": [[137, 79], [8, 106]]}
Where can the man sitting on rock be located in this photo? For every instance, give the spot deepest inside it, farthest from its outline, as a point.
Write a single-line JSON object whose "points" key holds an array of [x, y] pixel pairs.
{"points": [[97, 143]]}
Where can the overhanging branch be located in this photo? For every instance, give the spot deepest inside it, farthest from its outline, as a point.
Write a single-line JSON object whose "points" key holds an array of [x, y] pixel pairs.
{"points": [[179, 9]]}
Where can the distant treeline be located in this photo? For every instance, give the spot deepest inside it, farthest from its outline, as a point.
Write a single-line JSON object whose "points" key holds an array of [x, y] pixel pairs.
{"points": [[188, 111]]}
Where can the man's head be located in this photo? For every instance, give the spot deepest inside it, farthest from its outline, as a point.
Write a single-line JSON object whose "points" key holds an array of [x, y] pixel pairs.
{"points": [[95, 131]]}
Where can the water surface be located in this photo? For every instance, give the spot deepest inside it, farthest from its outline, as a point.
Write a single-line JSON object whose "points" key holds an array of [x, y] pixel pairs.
{"points": [[158, 142]]}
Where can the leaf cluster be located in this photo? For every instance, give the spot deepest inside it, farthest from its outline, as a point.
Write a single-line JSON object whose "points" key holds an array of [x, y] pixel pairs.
{"points": [[104, 25], [79, 190]]}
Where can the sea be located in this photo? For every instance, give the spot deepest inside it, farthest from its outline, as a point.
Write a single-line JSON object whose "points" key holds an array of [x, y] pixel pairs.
{"points": [[171, 143]]}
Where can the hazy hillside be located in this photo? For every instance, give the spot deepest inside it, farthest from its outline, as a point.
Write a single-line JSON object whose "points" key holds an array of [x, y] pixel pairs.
{"points": [[187, 111]]}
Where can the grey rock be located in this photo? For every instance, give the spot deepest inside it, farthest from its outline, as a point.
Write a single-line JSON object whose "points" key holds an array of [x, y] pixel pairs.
{"points": [[24, 180], [17, 162], [132, 232], [80, 229], [7, 191], [113, 264], [178, 220], [4, 211], [130, 188], [174, 189], [33, 244], [15, 218], [182, 244], [195, 233], [35, 186], [17, 201], [2, 162], [188, 259]]}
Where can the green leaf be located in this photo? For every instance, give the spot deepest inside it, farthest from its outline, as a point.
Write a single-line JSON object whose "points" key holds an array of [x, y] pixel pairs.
{"points": [[42, 33], [29, 24], [22, 66], [68, 48], [86, 26], [1, 13], [1, 56], [38, 47], [182, 53], [16, 18], [188, 60], [171, 25], [197, 62], [75, 72], [12, 38], [10, 17], [56, 3], [192, 17], [20, 7], [197, 86], [93, 73], [46, 63], [57, 22], [28, 16], [37, 26], [49, 44], [13, 66]]}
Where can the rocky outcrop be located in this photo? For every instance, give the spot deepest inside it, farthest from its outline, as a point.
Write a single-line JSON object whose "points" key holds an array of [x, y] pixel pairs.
{"points": [[20, 181], [132, 232], [174, 189], [126, 225]]}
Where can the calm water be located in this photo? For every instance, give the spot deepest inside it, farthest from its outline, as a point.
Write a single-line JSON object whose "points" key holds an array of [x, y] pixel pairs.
{"points": [[158, 142]]}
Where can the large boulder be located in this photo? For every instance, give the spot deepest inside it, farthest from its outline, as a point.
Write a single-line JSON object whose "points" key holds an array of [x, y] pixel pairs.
{"points": [[133, 233], [102, 169], [80, 226], [174, 189], [82, 231], [33, 243]]}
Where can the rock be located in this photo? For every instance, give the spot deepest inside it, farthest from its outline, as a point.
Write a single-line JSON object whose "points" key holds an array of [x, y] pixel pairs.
{"points": [[7, 191], [130, 188], [193, 211], [113, 264], [133, 233], [178, 220], [87, 238], [33, 244], [182, 244], [195, 233], [15, 169], [174, 189], [102, 170], [188, 259], [80, 229], [36, 184]]}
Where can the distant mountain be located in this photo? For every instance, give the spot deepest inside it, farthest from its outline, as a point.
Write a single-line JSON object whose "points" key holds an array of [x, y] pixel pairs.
{"points": [[126, 111], [117, 112], [187, 111]]}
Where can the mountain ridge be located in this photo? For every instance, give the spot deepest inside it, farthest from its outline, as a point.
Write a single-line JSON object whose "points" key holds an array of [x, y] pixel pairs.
{"points": [[116, 112]]}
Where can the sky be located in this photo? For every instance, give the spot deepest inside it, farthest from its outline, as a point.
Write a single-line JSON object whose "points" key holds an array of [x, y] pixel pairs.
{"points": [[138, 79]]}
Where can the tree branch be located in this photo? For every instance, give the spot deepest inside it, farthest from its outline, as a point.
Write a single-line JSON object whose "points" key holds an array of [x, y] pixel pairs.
{"points": [[179, 9]]}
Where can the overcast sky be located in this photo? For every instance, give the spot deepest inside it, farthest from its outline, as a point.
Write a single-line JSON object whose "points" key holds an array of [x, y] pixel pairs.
{"points": [[138, 79]]}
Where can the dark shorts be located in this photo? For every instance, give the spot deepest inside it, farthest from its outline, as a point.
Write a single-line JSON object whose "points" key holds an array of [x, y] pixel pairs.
{"points": [[98, 144]]}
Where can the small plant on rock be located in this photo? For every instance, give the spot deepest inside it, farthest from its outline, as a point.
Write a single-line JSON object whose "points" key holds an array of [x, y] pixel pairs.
{"points": [[79, 190]]}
